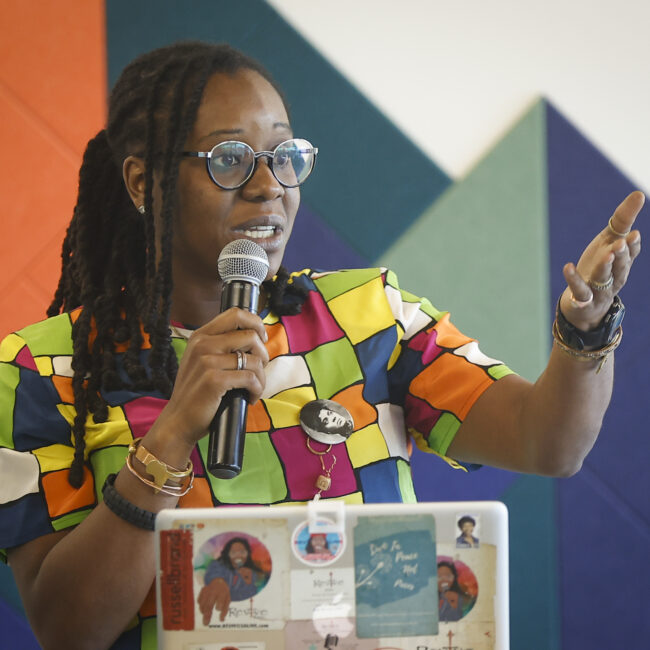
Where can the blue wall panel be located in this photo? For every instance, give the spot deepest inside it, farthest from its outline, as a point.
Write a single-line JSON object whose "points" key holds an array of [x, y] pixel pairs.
{"points": [[604, 511]]}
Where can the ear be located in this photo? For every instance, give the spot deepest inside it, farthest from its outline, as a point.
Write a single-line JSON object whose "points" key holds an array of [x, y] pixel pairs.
{"points": [[133, 174]]}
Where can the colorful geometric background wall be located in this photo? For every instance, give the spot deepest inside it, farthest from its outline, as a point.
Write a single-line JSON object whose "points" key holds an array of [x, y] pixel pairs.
{"points": [[489, 247]]}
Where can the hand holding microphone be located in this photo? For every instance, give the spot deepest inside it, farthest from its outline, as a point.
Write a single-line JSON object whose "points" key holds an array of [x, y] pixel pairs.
{"points": [[242, 265]]}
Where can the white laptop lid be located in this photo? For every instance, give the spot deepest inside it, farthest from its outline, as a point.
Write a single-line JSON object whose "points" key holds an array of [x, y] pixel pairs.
{"points": [[424, 576]]}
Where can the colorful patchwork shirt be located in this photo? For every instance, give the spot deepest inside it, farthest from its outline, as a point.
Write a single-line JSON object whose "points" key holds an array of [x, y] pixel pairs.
{"points": [[391, 359]]}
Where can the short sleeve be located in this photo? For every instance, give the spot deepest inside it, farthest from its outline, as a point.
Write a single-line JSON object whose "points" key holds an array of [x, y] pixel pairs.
{"points": [[36, 448], [436, 371]]}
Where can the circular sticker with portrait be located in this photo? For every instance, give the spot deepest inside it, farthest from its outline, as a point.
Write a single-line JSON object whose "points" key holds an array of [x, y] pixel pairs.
{"points": [[457, 589], [326, 421], [240, 560], [317, 548]]}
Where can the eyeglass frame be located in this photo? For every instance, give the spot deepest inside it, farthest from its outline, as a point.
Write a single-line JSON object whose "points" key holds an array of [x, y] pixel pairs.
{"points": [[256, 154]]}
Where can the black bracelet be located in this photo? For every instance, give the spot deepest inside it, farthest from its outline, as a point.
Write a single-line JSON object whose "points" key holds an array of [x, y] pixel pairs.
{"points": [[600, 337], [124, 509]]}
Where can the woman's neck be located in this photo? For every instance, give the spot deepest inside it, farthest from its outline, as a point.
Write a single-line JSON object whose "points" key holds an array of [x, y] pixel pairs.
{"points": [[196, 308]]}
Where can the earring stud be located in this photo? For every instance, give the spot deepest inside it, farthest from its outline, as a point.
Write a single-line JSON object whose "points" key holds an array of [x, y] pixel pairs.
{"points": [[141, 209]]}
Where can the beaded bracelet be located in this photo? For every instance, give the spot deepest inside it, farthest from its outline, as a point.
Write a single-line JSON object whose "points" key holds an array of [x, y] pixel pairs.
{"points": [[588, 355], [124, 509]]}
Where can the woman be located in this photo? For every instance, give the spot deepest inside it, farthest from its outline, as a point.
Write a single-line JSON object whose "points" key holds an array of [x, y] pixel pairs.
{"points": [[318, 548], [453, 602], [232, 576], [466, 538], [119, 363]]}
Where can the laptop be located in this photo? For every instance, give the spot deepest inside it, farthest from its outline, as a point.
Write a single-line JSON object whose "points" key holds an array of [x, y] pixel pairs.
{"points": [[325, 575]]}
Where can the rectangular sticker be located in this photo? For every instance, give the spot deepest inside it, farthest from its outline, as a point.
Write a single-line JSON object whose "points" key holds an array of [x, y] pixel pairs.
{"points": [[396, 576], [176, 589]]}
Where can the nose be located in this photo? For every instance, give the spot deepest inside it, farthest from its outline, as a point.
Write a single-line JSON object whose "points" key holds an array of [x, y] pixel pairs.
{"points": [[263, 185]]}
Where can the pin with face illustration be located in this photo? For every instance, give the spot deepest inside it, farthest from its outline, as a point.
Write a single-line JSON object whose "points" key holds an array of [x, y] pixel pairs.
{"points": [[326, 421]]}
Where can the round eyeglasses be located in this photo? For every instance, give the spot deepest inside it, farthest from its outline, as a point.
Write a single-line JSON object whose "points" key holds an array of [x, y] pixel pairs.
{"points": [[231, 164]]}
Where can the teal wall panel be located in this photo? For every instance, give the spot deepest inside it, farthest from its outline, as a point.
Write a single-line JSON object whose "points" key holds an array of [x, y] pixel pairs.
{"points": [[371, 181], [534, 597], [480, 251]]}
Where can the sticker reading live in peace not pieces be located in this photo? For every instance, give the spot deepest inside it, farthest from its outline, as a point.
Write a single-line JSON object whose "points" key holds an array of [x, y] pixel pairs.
{"points": [[176, 592], [396, 576]]}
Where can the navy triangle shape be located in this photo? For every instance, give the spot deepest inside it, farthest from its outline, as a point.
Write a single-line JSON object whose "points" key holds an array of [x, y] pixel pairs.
{"points": [[584, 189]]}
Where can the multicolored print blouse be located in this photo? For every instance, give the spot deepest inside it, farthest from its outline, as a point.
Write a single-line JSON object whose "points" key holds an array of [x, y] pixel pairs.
{"points": [[391, 359]]}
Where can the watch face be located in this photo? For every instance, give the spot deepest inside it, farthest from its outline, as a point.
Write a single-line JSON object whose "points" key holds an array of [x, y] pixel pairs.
{"points": [[614, 316]]}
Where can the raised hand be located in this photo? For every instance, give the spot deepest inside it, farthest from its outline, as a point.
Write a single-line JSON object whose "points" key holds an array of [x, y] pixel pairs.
{"points": [[603, 267]]}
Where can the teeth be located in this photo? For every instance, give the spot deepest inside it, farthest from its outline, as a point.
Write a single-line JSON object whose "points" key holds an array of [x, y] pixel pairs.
{"points": [[260, 232]]}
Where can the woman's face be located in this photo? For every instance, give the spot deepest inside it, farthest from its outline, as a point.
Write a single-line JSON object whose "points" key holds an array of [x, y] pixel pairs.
{"points": [[330, 419], [247, 108], [467, 528], [238, 555], [445, 578]]}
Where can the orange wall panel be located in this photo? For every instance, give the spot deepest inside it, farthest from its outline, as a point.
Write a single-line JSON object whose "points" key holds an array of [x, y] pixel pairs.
{"points": [[52, 101]]}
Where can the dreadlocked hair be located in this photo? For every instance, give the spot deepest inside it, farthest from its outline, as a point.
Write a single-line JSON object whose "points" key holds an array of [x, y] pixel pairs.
{"points": [[114, 266], [285, 298]]}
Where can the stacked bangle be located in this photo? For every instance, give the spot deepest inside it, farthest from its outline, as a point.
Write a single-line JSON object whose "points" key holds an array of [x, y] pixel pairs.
{"points": [[588, 355], [181, 480]]}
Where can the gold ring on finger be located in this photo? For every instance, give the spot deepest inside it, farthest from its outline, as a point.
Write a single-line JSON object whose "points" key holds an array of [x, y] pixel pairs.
{"points": [[601, 286], [241, 360], [580, 303], [614, 231]]}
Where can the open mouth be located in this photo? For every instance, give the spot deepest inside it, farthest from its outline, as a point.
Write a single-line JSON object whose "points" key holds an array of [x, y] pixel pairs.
{"points": [[260, 232]]}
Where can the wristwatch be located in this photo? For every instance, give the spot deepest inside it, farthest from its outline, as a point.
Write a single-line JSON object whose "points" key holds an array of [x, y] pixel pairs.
{"points": [[597, 338]]}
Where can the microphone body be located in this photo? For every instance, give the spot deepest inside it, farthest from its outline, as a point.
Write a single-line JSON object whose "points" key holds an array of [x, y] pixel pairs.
{"points": [[228, 427]]}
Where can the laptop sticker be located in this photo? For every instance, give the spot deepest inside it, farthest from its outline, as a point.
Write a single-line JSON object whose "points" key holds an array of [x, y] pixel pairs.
{"points": [[395, 576]]}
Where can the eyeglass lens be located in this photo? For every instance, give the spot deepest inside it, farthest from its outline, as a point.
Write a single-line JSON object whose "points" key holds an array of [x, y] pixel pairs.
{"points": [[232, 163]]}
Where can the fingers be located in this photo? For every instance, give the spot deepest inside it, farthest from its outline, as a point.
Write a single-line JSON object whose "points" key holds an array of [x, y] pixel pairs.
{"points": [[205, 343], [227, 353], [235, 329], [224, 605], [633, 241], [622, 262], [581, 293], [625, 215], [236, 319], [205, 602]]}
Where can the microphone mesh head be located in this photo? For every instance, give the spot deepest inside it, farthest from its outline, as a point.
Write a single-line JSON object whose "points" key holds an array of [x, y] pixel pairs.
{"points": [[243, 260]]}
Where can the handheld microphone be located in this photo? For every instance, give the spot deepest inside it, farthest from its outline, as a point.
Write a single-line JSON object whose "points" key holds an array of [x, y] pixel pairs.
{"points": [[242, 266]]}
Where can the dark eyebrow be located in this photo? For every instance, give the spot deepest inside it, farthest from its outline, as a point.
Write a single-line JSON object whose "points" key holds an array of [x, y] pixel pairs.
{"points": [[223, 132], [276, 125]]}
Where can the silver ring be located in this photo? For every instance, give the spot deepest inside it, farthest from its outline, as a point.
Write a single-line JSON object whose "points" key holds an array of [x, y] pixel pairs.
{"points": [[601, 286], [241, 360]]}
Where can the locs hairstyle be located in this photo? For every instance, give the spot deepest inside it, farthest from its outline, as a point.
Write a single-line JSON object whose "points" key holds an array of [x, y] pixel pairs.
{"points": [[109, 263]]}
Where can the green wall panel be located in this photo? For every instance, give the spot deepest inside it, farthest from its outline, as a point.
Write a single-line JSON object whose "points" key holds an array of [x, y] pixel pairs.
{"points": [[480, 251]]}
